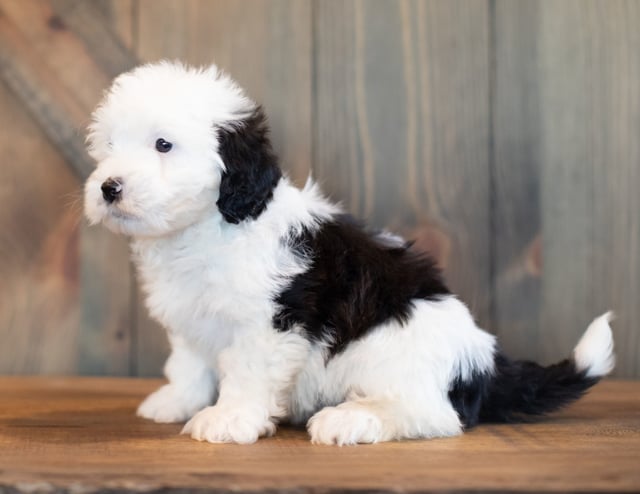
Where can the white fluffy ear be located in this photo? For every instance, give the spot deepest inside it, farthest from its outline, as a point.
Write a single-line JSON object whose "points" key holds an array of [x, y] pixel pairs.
{"points": [[594, 352]]}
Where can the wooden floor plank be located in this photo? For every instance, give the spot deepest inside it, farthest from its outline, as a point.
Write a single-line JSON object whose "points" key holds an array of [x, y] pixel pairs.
{"points": [[81, 435]]}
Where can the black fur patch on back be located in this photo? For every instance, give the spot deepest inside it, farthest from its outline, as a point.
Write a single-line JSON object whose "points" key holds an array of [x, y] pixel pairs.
{"points": [[252, 170], [355, 282]]}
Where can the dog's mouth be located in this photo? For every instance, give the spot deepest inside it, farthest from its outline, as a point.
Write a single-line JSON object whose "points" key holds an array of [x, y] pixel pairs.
{"points": [[120, 214], [117, 214], [122, 222]]}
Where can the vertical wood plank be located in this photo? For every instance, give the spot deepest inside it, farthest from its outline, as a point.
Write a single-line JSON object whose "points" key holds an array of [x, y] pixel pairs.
{"points": [[39, 310], [100, 27], [590, 174], [401, 125], [44, 95], [266, 47], [516, 228], [120, 17], [60, 81], [106, 298]]}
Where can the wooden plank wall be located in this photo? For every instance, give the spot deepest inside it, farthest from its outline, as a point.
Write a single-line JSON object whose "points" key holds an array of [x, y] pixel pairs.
{"points": [[401, 95], [566, 219], [499, 134]]}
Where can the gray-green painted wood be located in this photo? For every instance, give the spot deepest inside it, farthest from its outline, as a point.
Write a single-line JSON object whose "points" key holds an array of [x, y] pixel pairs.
{"points": [[516, 235], [502, 135], [590, 166], [401, 134]]}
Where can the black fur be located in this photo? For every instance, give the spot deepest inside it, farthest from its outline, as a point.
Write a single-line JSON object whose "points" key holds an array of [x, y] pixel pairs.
{"points": [[355, 282], [252, 170], [516, 389], [467, 397]]}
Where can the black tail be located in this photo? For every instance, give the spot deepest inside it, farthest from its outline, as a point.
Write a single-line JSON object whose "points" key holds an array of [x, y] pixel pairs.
{"points": [[519, 388], [528, 388]]}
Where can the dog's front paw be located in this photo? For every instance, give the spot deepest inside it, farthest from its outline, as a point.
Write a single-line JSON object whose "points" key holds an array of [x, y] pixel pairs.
{"points": [[171, 404], [226, 424], [344, 425]]}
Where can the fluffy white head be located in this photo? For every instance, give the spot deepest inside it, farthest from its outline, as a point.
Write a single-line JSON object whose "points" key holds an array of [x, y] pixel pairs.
{"points": [[594, 352], [162, 191]]}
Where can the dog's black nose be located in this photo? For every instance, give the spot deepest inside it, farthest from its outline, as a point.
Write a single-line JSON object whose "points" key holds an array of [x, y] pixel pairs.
{"points": [[111, 189]]}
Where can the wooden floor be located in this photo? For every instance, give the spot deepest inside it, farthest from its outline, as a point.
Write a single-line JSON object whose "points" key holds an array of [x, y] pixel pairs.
{"points": [[80, 435]]}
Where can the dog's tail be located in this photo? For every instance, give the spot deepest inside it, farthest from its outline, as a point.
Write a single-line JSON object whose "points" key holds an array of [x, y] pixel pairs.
{"points": [[519, 388]]}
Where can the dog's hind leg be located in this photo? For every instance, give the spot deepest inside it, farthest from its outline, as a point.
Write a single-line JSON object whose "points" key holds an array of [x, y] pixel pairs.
{"points": [[372, 420]]}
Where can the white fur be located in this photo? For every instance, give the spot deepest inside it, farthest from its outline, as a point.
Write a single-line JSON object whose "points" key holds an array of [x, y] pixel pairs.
{"points": [[212, 286], [397, 378], [192, 386], [594, 351], [256, 373]]}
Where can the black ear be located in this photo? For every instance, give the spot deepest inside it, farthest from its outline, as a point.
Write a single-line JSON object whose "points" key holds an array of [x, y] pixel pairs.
{"points": [[252, 170]]}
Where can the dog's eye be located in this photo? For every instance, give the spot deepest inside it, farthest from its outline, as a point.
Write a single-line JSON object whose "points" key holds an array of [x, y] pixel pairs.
{"points": [[163, 146]]}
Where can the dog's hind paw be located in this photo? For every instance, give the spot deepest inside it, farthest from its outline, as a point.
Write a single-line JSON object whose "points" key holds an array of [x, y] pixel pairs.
{"points": [[345, 425], [227, 424]]}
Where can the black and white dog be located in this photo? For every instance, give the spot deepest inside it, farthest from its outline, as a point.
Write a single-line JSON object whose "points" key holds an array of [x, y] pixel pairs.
{"points": [[278, 306]]}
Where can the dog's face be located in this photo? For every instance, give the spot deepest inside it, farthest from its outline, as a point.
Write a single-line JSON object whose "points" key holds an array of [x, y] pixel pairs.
{"points": [[173, 144]]}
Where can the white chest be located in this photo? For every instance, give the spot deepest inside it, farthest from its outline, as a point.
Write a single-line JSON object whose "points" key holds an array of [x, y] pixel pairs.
{"points": [[206, 283]]}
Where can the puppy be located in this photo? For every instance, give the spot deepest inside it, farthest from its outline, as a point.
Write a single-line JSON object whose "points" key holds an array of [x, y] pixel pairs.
{"points": [[278, 306]]}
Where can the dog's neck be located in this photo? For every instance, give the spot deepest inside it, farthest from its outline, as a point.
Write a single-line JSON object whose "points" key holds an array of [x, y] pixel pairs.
{"points": [[238, 258], [290, 211]]}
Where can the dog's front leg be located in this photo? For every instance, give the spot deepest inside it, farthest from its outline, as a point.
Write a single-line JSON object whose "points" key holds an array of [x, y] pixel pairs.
{"points": [[191, 387], [256, 376]]}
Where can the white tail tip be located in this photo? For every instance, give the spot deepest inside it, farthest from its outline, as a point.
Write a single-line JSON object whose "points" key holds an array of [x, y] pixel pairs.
{"points": [[594, 352]]}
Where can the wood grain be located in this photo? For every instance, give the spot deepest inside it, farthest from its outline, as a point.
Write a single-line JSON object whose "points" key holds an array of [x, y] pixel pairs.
{"points": [[76, 435], [516, 224], [590, 109], [39, 319], [33, 80], [106, 32], [55, 76], [118, 16], [401, 125]]}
